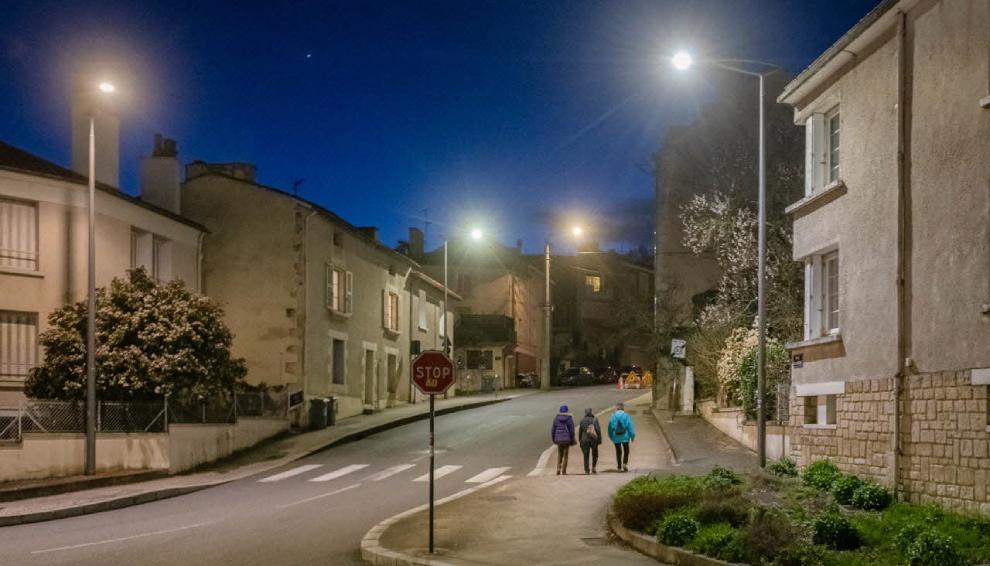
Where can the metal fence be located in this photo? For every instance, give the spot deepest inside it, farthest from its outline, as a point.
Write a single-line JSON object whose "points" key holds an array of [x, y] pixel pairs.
{"points": [[42, 416], [783, 403]]}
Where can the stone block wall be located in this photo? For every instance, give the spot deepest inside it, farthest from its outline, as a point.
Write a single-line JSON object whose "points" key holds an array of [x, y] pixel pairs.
{"points": [[944, 437]]}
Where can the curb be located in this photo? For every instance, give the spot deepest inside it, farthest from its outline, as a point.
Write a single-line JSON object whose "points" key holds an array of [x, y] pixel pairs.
{"points": [[650, 547], [165, 493], [8, 495], [372, 552], [675, 459]]}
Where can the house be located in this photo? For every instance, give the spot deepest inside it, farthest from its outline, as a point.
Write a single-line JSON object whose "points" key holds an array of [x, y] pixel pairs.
{"points": [[891, 379], [44, 240], [315, 303]]}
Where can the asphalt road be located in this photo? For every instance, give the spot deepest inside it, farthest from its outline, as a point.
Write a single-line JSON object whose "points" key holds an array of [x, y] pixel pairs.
{"points": [[283, 517]]}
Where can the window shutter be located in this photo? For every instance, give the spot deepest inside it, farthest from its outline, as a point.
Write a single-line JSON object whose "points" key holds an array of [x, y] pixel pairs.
{"points": [[328, 285], [809, 274], [814, 162], [349, 292], [385, 307]]}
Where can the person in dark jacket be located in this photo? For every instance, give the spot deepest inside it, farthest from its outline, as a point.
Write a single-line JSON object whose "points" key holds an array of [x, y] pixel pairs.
{"points": [[590, 436], [562, 434]]}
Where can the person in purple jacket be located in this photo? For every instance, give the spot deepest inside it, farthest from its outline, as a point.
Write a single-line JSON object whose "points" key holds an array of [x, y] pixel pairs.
{"points": [[562, 434]]}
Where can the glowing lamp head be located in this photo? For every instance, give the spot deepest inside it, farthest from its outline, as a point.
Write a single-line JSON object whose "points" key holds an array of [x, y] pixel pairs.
{"points": [[682, 60], [107, 88], [476, 234], [577, 231]]}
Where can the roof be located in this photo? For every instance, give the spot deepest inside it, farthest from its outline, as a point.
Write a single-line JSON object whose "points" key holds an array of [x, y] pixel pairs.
{"points": [[828, 63], [435, 284], [20, 161]]}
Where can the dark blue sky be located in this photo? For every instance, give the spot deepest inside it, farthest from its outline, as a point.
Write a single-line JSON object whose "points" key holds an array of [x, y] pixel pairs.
{"points": [[494, 113]]}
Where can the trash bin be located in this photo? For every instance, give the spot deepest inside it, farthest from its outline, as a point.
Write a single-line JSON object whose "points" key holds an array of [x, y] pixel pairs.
{"points": [[319, 413], [332, 411]]}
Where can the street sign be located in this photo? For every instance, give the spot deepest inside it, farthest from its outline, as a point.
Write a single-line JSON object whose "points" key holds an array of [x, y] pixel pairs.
{"points": [[432, 372], [678, 348]]}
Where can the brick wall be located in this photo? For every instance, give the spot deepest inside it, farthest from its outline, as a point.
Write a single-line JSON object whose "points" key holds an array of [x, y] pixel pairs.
{"points": [[943, 432]]}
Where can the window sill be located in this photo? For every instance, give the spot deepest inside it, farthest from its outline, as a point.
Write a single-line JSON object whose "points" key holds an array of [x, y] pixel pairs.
{"points": [[339, 314], [831, 192], [21, 272], [392, 333], [820, 426], [820, 341], [985, 102]]}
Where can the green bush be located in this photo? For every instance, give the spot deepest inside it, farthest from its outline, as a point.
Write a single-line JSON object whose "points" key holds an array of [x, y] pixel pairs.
{"points": [[844, 487], [778, 367], [647, 498], [720, 478], [871, 497], [833, 530], [803, 555], [931, 548], [677, 529], [821, 474], [714, 540], [731, 510], [783, 468], [768, 533]]}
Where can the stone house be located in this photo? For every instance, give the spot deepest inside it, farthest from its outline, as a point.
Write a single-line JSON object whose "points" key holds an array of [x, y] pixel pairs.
{"points": [[44, 237], [891, 379], [315, 303]]}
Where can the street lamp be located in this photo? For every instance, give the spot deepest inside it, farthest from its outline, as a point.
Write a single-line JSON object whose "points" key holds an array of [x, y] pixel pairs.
{"points": [[576, 231], [105, 88], [477, 234], [682, 61]]}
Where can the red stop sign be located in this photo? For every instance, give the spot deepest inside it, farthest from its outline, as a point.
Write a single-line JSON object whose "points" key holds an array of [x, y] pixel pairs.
{"points": [[432, 372]]}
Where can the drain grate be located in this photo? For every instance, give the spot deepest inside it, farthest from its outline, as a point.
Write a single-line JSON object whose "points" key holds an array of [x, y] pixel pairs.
{"points": [[594, 541]]}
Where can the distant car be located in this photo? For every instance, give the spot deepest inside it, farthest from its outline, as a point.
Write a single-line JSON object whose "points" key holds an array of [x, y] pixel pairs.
{"points": [[529, 380], [606, 375], [577, 376]]}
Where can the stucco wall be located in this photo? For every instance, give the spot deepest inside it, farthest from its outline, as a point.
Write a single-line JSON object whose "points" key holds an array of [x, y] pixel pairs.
{"points": [[731, 423], [42, 456]]}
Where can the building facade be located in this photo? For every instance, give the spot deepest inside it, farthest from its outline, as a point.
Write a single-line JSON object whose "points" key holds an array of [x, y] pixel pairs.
{"points": [[314, 302], [891, 380]]}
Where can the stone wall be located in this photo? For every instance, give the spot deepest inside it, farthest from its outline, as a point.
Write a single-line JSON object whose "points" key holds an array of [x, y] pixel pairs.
{"points": [[944, 437]]}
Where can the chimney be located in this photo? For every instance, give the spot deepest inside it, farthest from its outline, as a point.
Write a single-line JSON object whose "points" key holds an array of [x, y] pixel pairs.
{"points": [[369, 231], [87, 102], [160, 175], [417, 244]]}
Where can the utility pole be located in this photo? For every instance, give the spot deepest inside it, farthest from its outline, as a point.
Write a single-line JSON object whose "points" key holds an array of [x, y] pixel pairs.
{"points": [[547, 314]]}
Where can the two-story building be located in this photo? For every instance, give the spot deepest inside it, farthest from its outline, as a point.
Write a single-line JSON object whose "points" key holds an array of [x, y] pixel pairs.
{"points": [[891, 380], [44, 237], [315, 303]]}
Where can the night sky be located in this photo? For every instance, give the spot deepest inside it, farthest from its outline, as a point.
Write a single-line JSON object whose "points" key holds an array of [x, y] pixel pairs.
{"points": [[503, 114]]}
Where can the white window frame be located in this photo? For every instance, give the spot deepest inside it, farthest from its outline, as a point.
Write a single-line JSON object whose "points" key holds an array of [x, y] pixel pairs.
{"points": [[391, 313], [830, 150], [18, 344], [819, 296], [337, 300], [423, 312], [817, 151], [18, 235]]}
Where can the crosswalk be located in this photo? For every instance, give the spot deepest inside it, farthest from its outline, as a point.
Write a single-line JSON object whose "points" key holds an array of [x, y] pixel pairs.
{"points": [[304, 472]]}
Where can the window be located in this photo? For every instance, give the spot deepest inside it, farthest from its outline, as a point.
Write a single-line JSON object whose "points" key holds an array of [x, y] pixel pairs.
{"points": [[339, 292], [153, 253], [593, 283], [18, 234], [423, 325], [18, 344], [479, 359], [337, 360], [390, 311], [820, 410], [821, 309], [822, 137]]}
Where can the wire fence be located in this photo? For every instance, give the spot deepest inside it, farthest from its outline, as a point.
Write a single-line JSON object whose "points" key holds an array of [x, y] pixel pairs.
{"points": [[44, 416]]}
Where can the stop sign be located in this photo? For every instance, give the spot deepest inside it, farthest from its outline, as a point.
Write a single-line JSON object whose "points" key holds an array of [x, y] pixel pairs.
{"points": [[432, 372]]}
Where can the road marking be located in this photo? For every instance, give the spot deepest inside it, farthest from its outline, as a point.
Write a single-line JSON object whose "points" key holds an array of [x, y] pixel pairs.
{"points": [[542, 462], [439, 473], [389, 472], [293, 472], [121, 539], [321, 496], [488, 475], [341, 472]]}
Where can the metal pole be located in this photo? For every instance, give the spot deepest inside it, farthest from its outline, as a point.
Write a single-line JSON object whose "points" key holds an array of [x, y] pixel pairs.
{"points": [[547, 308], [761, 364], [432, 455], [91, 311], [446, 342]]}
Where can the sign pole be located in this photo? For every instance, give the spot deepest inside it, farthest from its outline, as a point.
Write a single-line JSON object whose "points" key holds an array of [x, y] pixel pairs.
{"points": [[432, 452]]}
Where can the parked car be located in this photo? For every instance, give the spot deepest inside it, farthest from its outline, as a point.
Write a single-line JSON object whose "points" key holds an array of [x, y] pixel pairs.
{"points": [[577, 376], [529, 379], [606, 375]]}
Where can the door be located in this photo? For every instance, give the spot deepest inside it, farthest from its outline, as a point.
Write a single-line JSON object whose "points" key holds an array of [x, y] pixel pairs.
{"points": [[392, 376], [369, 377]]}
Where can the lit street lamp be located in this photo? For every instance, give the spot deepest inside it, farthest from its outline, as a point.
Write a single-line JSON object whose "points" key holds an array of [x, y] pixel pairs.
{"points": [[106, 88], [576, 231], [682, 61]]}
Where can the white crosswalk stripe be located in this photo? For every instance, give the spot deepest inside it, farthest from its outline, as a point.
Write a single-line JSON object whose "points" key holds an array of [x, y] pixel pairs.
{"points": [[389, 472], [340, 473], [293, 472], [439, 473], [488, 475]]}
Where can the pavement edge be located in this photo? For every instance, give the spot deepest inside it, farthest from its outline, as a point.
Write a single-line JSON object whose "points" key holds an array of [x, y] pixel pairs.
{"points": [[661, 552]]}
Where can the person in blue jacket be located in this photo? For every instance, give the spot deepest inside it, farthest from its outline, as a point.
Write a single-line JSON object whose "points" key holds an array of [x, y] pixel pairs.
{"points": [[562, 434], [621, 432]]}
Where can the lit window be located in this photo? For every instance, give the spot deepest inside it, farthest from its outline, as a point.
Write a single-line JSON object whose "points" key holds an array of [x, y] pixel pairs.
{"points": [[18, 234], [593, 283], [339, 289], [391, 311]]}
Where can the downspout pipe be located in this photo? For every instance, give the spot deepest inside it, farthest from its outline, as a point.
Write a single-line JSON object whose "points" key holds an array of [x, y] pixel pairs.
{"points": [[903, 250], [199, 262]]}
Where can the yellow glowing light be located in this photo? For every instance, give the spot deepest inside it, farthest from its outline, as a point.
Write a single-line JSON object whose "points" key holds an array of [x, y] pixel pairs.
{"points": [[682, 60], [107, 87]]}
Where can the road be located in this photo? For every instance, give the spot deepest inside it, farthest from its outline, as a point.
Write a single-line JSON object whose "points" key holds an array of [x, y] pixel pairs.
{"points": [[315, 510]]}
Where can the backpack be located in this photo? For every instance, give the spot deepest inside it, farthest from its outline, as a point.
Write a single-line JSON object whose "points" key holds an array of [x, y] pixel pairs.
{"points": [[620, 427], [590, 432]]}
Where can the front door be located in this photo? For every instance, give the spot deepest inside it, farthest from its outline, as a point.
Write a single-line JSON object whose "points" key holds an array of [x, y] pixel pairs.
{"points": [[369, 378]]}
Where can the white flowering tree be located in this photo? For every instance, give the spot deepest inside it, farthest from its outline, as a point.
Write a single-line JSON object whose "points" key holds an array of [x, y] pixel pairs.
{"points": [[152, 340]]}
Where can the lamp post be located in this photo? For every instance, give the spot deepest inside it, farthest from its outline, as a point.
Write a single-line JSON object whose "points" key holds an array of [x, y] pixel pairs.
{"points": [[683, 61], [576, 232], [105, 88]]}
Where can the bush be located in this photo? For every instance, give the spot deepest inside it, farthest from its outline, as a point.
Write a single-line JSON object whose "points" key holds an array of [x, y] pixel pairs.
{"points": [[783, 468], [933, 549], [834, 531], [803, 555], [714, 540], [821, 474], [677, 529], [844, 487], [720, 478], [731, 510], [768, 533], [647, 498], [871, 497]]}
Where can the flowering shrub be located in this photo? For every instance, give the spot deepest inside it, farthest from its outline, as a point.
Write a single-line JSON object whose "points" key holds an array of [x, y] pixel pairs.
{"points": [[933, 549], [844, 488], [737, 346], [871, 497]]}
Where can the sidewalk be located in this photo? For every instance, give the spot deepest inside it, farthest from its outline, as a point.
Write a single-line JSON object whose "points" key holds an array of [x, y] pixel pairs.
{"points": [[697, 445], [546, 519], [252, 461]]}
